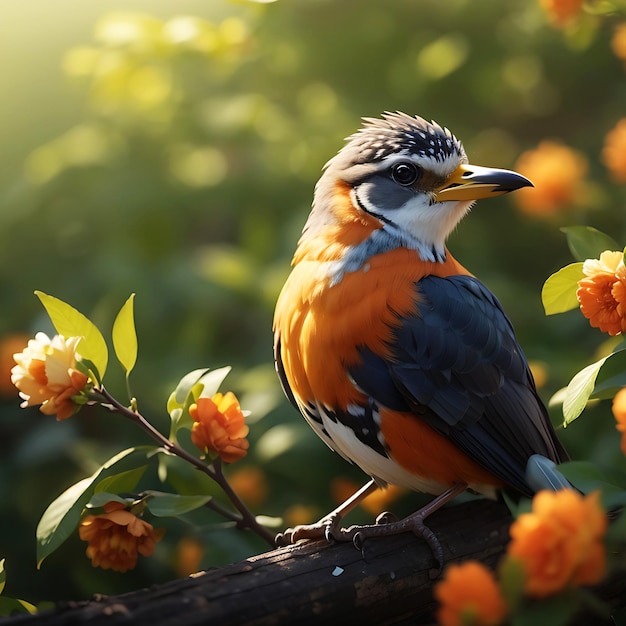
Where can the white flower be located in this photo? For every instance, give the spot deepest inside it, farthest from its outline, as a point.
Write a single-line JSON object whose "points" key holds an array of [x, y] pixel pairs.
{"points": [[46, 374]]}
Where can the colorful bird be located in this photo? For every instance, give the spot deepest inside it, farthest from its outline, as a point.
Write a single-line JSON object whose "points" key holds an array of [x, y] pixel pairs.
{"points": [[399, 359]]}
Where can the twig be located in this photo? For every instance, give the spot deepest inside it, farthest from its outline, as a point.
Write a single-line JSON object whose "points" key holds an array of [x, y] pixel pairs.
{"points": [[244, 518]]}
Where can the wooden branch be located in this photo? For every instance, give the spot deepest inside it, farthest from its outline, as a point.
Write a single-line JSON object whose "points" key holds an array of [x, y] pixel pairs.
{"points": [[314, 582]]}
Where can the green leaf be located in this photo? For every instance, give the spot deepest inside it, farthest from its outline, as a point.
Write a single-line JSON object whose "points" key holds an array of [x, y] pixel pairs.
{"points": [[612, 376], [125, 336], [600, 380], [12, 606], [184, 479], [61, 518], [589, 477], [586, 242], [172, 505], [212, 380], [172, 404], [183, 389], [175, 412], [579, 390], [101, 498], [72, 323], [124, 482], [200, 382], [179, 400], [559, 291], [584, 474]]}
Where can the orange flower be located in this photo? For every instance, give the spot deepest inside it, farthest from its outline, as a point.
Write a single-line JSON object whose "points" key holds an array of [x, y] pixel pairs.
{"points": [[469, 596], [298, 514], [250, 484], [618, 41], [557, 172], [561, 12], [560, 543], [619, 412], [117, 536], [46, 374], [220, 427], [602, 294], [614, 150], [189, 553]]}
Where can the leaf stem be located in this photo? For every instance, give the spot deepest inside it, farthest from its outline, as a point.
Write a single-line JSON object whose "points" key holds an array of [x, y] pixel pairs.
{"points": [[244, 518]]}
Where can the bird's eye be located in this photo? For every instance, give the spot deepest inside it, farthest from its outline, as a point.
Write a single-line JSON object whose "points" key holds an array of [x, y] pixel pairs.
{"points": [[405, 174]]}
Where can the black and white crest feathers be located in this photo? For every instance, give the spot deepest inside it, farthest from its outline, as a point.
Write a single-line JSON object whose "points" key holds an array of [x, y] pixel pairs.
{"points": [[398, 132]]}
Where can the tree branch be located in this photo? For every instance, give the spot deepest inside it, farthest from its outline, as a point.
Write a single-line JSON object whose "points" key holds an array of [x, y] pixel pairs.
{"points": [[313, 582]]}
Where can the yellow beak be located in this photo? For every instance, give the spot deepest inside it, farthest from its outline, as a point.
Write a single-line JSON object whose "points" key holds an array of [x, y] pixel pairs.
{"points": [[471, 182]]}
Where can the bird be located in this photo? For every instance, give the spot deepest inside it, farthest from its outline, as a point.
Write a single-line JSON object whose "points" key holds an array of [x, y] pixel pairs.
{"points": [[399, 358]]}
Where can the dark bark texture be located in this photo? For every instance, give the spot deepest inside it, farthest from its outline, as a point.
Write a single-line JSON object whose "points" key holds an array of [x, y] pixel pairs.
{"points": [[389, 582]]}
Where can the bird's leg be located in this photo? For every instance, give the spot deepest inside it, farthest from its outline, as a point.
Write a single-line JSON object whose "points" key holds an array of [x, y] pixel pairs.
{"points": [[413, 523], [328, 526]]}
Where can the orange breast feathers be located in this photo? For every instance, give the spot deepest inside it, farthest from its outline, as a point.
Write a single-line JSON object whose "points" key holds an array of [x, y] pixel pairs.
{"points": [[322, 325], [321, 328]]}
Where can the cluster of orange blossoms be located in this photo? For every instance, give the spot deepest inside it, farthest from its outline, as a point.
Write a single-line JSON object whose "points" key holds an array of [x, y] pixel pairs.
{"points": [[220, 427], [602, 293], [559, 544], [46, 375], [614, 149], [117, 537], [562, 12], [470, 595], [557, 172]]}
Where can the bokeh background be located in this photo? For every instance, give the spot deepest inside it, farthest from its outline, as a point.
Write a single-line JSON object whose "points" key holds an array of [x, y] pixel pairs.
{"points": [[171, 149]]}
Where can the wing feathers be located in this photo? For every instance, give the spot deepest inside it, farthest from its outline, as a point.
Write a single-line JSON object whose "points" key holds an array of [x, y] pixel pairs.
{"points": [[457, 365]]}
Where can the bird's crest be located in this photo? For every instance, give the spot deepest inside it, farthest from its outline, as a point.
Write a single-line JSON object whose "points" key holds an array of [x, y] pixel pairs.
{"points": [[397, 132]]}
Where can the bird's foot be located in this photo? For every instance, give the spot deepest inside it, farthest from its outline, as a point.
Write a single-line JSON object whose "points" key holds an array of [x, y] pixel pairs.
{"points": [[386, 526], [326, 528], [329, 527]]}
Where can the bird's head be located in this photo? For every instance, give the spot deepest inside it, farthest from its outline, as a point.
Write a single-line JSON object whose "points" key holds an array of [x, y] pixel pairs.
{"points": [[412, 177]]}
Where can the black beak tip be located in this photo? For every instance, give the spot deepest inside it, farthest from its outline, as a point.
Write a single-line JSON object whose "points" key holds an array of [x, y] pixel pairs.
{"points": [[513, 182]]}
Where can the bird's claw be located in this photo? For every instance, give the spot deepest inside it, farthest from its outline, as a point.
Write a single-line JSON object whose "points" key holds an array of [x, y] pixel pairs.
{"points": [[358, 541], [293, 535], [326, 528], [386, 517], [387, 524]]}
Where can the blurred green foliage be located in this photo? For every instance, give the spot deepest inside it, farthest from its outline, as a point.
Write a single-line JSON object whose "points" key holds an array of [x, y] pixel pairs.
{"points": [[172, 152]]}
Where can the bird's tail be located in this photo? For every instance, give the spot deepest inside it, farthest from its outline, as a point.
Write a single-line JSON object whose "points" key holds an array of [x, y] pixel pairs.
{"points": [[542, 473]]}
